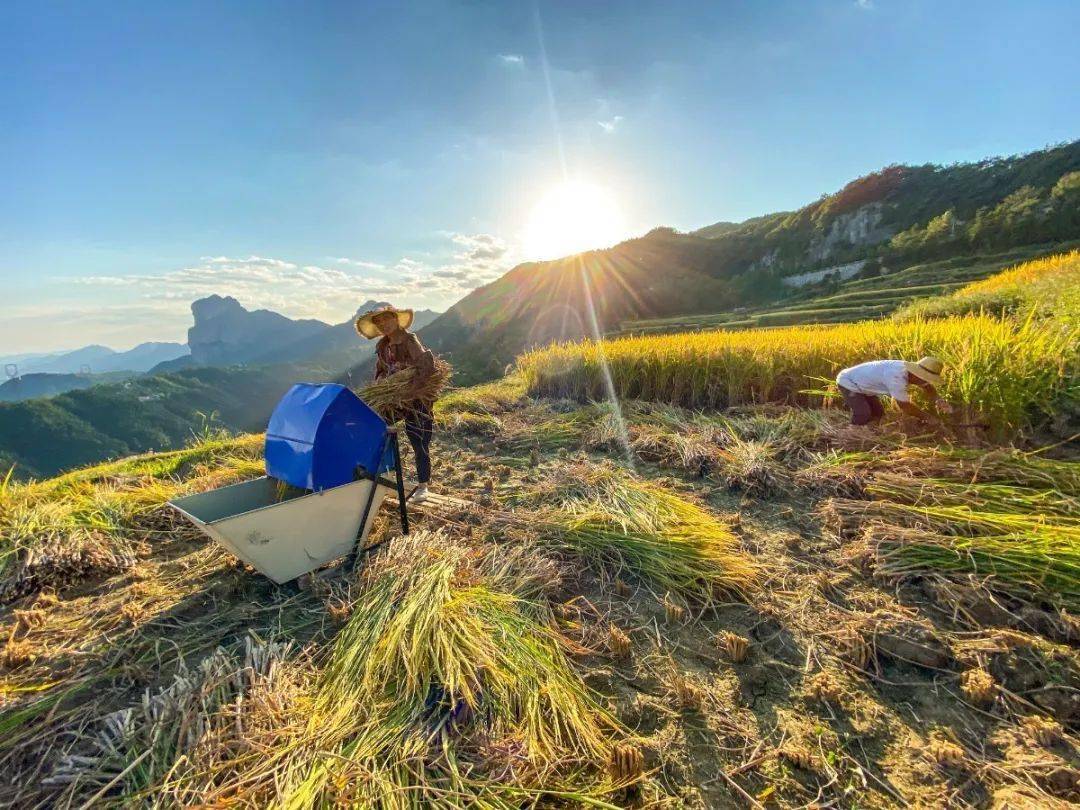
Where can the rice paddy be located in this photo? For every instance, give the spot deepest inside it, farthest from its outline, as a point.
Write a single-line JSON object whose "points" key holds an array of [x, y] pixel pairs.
{"points": [[659, 604]]}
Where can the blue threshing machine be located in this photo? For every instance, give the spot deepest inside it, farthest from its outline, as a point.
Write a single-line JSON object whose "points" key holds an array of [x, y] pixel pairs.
{"points": [[334, 453]]}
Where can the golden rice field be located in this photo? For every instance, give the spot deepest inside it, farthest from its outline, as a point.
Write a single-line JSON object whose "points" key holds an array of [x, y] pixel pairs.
{"points": [[1047, 287], [1011, 374], [633, 605], [567, 639], [1012, 370]]}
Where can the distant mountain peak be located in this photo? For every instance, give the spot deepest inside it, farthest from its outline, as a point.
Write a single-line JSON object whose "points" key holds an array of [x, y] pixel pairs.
{"points": [[214, 306]]}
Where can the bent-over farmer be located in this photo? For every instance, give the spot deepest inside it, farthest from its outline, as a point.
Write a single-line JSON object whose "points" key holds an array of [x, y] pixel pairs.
{"points": [[862, 385], [397, 350]]}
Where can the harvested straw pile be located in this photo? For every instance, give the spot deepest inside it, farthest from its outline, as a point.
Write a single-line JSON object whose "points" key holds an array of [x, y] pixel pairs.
{"points": [[449, 686], [92, 522], [193, 716], [59, 564], [752, 467], [619, 523], [1022, 539], [1008, 466], [1019, 564], [393, 396]]}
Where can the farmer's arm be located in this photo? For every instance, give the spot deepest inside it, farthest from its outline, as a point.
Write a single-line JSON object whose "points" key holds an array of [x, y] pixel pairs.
{"points": [[421, 359], [899, 388], [916, 411], [381, 369], [942, 404]]}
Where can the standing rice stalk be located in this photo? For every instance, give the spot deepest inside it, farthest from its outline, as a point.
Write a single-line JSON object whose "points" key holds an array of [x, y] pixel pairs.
{"points": [[1014, 373]]}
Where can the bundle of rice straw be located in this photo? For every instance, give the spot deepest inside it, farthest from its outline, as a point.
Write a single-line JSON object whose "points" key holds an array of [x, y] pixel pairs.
{"points": [[393, 396]]}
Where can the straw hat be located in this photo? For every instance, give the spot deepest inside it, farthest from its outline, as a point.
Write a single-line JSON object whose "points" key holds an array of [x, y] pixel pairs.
{"points": [[928, 370], [365, 324]]}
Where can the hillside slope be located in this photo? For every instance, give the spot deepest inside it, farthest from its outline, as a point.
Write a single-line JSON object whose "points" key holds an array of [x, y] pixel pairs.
{"points": [[899, 217], [31, 386], [41, 437]]}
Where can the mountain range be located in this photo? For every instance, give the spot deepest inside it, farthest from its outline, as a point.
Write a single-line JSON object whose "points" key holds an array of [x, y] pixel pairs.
{"points": [[96, 359], [225, 333], [891, 222]]}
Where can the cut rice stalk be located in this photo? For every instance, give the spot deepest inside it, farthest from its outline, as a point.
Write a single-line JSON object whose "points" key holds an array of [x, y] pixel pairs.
{"points": [[390, 394], [1021, 565], [444, 644], [618, 522]]}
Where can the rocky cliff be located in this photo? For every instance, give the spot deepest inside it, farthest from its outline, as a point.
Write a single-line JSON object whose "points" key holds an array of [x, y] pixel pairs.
{"points": [[224, 333]]}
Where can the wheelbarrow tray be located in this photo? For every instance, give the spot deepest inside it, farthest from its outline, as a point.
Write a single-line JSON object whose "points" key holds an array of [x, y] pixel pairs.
{"points": [[284, 538]]}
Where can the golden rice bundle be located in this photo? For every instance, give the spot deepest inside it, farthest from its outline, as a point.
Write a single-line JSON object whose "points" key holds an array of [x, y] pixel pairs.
{"points": [[392, 396]]}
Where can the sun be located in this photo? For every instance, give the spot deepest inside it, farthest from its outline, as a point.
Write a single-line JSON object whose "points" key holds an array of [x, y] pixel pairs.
{"points": [[570, 218]]}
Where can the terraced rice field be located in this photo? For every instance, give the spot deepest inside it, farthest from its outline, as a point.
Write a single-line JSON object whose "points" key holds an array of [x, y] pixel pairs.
{"points": [[629, 604], [853, 300]]}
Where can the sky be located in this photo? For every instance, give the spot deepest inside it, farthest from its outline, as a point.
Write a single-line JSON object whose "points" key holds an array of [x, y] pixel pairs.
{"points": [[307, 156]]}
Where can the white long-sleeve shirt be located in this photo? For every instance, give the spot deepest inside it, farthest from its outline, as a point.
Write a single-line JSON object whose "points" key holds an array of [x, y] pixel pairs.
{"points": [[888, 377]]}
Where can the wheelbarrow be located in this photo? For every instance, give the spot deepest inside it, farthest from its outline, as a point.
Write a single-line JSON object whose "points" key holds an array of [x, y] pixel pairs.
{"points": [[327, 457]]}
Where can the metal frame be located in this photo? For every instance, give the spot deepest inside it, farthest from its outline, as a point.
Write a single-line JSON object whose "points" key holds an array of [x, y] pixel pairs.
{"points": [[389, 442]]}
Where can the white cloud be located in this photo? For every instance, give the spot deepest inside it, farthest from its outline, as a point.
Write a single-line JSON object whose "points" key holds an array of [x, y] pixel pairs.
{"points": [[479, 246], [512, 59], [308, 291], [866, 5], [328, 293], [610, 125], [357, 263]]}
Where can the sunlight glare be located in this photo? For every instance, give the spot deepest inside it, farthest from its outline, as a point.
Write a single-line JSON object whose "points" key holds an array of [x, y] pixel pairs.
{"points": [[571, 218]]}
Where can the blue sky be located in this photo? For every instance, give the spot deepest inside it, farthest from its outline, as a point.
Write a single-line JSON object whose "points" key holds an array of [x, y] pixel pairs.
{"points": [[307, 156]]}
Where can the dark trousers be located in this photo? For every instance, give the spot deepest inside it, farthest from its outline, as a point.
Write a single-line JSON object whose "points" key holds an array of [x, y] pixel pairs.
{"points": [[419, 423], [865, 408]]}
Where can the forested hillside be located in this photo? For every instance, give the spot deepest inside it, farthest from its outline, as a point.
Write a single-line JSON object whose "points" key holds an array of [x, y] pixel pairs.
{"points": [[886, 222], [43, 436]]}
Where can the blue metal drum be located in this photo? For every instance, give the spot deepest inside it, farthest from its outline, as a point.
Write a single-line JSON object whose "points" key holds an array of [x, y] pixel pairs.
{"points": [[320, 434]]}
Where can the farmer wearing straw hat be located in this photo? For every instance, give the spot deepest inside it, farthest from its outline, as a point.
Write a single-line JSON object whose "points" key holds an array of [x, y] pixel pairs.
{"points": [[861, 385], [397, 350]]}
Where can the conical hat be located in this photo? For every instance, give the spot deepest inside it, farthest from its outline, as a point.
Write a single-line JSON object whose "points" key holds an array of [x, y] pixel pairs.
{"points": [[365, 324]]}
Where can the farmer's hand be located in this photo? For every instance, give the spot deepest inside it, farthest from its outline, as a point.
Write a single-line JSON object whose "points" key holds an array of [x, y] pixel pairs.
{"points": [[944, 406]]}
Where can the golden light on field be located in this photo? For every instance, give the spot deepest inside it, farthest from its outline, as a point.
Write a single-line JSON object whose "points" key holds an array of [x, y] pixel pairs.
{"points": [[570, 218]]}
